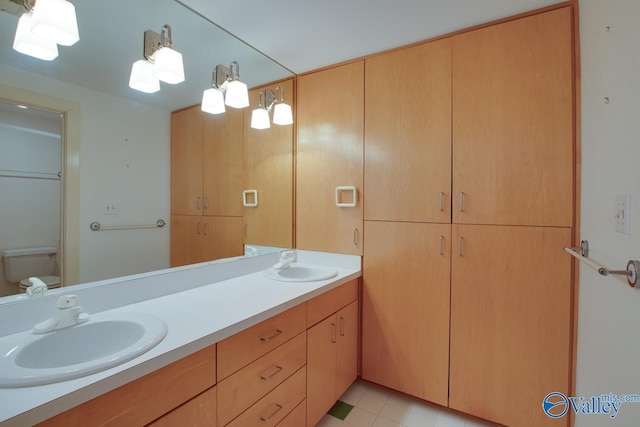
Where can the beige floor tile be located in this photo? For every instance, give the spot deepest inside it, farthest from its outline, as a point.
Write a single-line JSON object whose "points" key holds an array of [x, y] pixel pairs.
{"points": [[421, 415], [383, 422], [353, 395], [359, 418], [329, 421], [374, 400], [396, 408]]}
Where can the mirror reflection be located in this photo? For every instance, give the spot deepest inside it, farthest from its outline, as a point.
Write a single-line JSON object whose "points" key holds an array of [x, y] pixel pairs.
{"points": [[118, 172]]}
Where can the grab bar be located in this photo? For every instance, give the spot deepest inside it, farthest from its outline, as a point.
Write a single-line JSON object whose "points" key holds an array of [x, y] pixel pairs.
{"points": [[95, 226], [631, 273]]}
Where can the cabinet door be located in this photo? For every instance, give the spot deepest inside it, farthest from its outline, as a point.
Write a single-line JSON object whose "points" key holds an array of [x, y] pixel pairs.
{"points": [[405, 320], [186, 239], [222, 157], [330, 155], [186, 162], [268, 168], [321, 369], [222, 237], [347, 351], [407, 151], [510, 321], [513, 122]]}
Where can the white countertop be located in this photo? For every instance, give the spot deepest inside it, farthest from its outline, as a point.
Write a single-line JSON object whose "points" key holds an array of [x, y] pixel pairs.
{"points": [[196, 318]]}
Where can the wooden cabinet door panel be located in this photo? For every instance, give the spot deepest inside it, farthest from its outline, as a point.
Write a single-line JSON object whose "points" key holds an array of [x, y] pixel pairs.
{"points": [[513, 122], [408, 134], [321, 369], [347, 352], [330, 155], [186, 162], [405, 333], [510, 321], [222, 237], [186, 239]]}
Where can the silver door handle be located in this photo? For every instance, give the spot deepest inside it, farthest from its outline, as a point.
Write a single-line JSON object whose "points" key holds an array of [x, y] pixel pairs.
{"points": [[205, 202], [197, 202], [343, 327], [267, 419], [273, 374], [441, 201], [356, 236], [460, 240], [198, 229], [441, 248], [461, 201], [334, 338], [206, 225]]}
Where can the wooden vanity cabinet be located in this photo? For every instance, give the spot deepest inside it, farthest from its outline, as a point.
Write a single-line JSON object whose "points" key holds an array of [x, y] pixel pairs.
{"points": [[198, 412], [206, 185], [330, 155]]}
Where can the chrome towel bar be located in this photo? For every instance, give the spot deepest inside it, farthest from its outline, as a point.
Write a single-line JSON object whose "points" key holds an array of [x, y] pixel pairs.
{"points": [[582, 252], [95, 226]]}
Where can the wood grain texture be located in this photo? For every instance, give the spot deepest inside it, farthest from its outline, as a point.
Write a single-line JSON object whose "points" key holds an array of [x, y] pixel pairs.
{"points": [[330, 302], [244, 347], [145, 399], [347, 351], [275, 405], [245, 387], [513, 130], [198, 412], [268, 168], [222, 237], [330, 154], [407, 153], [510, 322], [297, 417], [321, 369], [186, 161], [186, 239], [223, 138], [405, 319]]}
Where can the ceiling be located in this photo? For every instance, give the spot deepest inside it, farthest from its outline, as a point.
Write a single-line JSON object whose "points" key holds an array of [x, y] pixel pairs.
{"points": [[304, 35]]}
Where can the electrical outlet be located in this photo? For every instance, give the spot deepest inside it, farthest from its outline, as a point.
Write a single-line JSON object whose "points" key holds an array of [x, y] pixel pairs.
{"points": [[622, 214], [110, 208]]}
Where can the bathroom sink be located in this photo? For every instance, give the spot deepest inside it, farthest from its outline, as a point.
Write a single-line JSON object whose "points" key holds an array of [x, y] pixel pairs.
{"points": [[105, 341], [300, 273]]}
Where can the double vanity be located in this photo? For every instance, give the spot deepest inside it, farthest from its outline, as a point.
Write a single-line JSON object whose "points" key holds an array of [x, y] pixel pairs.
{"points": [[219, 323]]}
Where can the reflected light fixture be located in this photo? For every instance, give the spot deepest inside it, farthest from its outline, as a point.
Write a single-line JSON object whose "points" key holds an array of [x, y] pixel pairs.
{"points": [[160, 63], [282, 114], [28, 43], [226, 89]]}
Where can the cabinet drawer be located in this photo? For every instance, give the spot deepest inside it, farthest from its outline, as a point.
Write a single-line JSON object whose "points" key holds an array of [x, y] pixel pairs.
{"points": [[198, 412], [328, 303], [272, 408], [242, 389], [243, 348], [297, 417]]}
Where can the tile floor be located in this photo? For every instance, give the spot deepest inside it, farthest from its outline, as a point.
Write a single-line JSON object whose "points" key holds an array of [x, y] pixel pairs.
{"points": [[375, 406]]}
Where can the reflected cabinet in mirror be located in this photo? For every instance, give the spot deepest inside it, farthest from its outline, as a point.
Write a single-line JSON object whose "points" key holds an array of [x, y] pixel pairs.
{"points": [[116, 155]]}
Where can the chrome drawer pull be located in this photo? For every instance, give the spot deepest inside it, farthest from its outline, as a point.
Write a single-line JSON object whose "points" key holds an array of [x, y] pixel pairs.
{"points": [[343, 327], [276, 372], [198, 203], [334, 338], [441, 201], [267, 419], [441, 249], [461, 201], [278, 332]]}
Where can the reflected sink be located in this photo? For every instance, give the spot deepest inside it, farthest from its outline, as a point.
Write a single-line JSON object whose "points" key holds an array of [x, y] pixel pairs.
{"points": [[105, 341], [301, 273]]}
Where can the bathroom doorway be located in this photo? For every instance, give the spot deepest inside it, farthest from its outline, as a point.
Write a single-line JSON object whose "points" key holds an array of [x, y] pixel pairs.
{"points": [[31, 187]]}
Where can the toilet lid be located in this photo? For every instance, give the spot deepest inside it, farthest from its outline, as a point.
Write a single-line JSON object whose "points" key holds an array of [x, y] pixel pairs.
{"points": [[48, 280]]}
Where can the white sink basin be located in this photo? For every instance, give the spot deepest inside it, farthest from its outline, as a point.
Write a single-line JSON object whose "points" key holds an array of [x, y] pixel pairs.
{"points": [[107, 340], [301, 273]]}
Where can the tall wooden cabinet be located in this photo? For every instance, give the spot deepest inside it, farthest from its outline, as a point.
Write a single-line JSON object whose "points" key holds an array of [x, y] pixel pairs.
{"points": [[268, 170], [330, 156], [206, 185]]}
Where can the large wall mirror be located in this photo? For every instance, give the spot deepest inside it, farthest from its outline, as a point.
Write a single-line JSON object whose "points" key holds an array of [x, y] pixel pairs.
{"points": [[113, 143]]}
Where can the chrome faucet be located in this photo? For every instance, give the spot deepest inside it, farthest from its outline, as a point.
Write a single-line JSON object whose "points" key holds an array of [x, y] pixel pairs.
{"points": [[37, 287], [68, 314], [286, 258]]}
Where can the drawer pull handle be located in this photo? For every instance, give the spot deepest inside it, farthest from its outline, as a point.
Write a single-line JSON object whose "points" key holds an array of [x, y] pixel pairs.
{"points": [[267, 419], [278, 332], [461, 201], [441, 201], [205, 203], [273, 374], [441, 248], [460, 241], [334, 338], [198, 203], [343, 327]]}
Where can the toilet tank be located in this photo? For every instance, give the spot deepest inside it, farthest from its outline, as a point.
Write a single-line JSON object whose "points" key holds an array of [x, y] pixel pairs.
{"points": [[27, 262]]}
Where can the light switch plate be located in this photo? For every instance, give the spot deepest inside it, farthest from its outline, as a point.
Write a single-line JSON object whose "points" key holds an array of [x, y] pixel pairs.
{"points": [[622, 214]]}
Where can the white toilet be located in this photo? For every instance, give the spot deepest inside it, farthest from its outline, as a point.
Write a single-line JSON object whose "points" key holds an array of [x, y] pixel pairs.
{"points": [[40, 262]]}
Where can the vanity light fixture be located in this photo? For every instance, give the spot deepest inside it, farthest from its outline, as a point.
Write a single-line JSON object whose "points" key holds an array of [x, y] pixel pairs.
{"points": [[282, 114], [28, 43], [226, 89], [160, 63]]}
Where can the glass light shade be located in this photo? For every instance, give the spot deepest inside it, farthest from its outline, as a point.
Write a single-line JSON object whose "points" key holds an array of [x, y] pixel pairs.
{"points": [[29, 44], [168, 66], [237, 95], [282, 114], [260, 119], [212, 101], [142, 77], [55, 20]]}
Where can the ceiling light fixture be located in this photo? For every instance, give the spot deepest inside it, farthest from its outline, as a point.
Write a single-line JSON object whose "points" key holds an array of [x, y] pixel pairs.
{"points": [[28, 43], [226, 89], [282, 114], [161, 63]]}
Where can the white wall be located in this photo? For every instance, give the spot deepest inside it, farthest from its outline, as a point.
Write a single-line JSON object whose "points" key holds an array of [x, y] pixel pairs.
{"points": [[124, 158], [30, 208], [609, 310]]}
